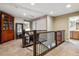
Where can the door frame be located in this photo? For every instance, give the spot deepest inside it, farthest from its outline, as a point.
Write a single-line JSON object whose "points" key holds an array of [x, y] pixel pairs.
{"points": [[16, 28]]}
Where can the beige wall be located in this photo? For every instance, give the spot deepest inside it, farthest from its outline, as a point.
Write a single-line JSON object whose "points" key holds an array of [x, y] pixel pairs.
{"points": [[61, 22], [77, 26]]}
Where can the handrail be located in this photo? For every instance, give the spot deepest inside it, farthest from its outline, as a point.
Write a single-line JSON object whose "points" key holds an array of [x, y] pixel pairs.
{"points": [[51, 31], [44, 30]]}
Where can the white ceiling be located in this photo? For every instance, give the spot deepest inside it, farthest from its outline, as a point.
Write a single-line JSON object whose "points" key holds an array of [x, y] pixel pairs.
{"points": [[37, 10]]}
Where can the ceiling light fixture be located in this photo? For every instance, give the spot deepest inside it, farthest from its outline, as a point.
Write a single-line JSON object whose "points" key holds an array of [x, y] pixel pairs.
{"points": [[24, 14], [32, 4], [51, 12], [68, 5]]}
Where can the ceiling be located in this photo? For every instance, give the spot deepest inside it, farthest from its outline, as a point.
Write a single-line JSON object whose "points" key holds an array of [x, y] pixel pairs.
{"points": [[28, 11]]}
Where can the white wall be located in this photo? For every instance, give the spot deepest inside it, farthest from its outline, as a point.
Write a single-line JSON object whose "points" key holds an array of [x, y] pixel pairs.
{"points": [[45, 23], [20, 20], [49, 23], [33, 25], [39, 24]]}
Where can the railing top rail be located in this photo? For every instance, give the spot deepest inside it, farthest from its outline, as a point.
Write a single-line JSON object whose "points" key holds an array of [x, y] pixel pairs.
{"points": [[44, 31], [52, 31], [36, 30]]}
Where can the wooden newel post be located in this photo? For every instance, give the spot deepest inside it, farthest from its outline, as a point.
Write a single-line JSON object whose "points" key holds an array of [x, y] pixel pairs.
{"points": [[23, 39], [34, 43]]}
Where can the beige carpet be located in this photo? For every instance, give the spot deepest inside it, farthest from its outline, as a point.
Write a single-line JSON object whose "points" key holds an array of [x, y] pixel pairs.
{"points": [[70, 48], [14, 48]]}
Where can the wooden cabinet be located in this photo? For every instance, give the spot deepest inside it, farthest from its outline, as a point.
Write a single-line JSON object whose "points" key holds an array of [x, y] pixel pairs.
{"points": [[6, 27], [74, 34]]}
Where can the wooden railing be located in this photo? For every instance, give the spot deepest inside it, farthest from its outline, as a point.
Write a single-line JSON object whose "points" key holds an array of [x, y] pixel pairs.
{"points": [[44, 41]]}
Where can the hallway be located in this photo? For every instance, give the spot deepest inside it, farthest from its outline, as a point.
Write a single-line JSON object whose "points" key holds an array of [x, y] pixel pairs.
{"points": [[70, 48]]}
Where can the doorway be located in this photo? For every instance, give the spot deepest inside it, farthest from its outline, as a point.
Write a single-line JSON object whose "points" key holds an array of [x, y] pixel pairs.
{"points": [[19, 29]]}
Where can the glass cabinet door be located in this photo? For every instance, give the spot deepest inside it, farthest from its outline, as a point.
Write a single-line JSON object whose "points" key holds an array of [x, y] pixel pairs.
{"points": [[5, 23], [11, 23]]}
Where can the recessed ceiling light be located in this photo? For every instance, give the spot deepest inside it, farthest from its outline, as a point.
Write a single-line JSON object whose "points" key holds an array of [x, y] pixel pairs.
{"points": [[51, 12], [32, 4], [24, 14], [68, 5]]}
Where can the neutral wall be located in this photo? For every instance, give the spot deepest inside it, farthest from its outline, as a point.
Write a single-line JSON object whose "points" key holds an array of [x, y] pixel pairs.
{"points": [[45, 23], [61, 22], [50, 23], [39, 24], [18, 20], [77, 26], [21, 20]]}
